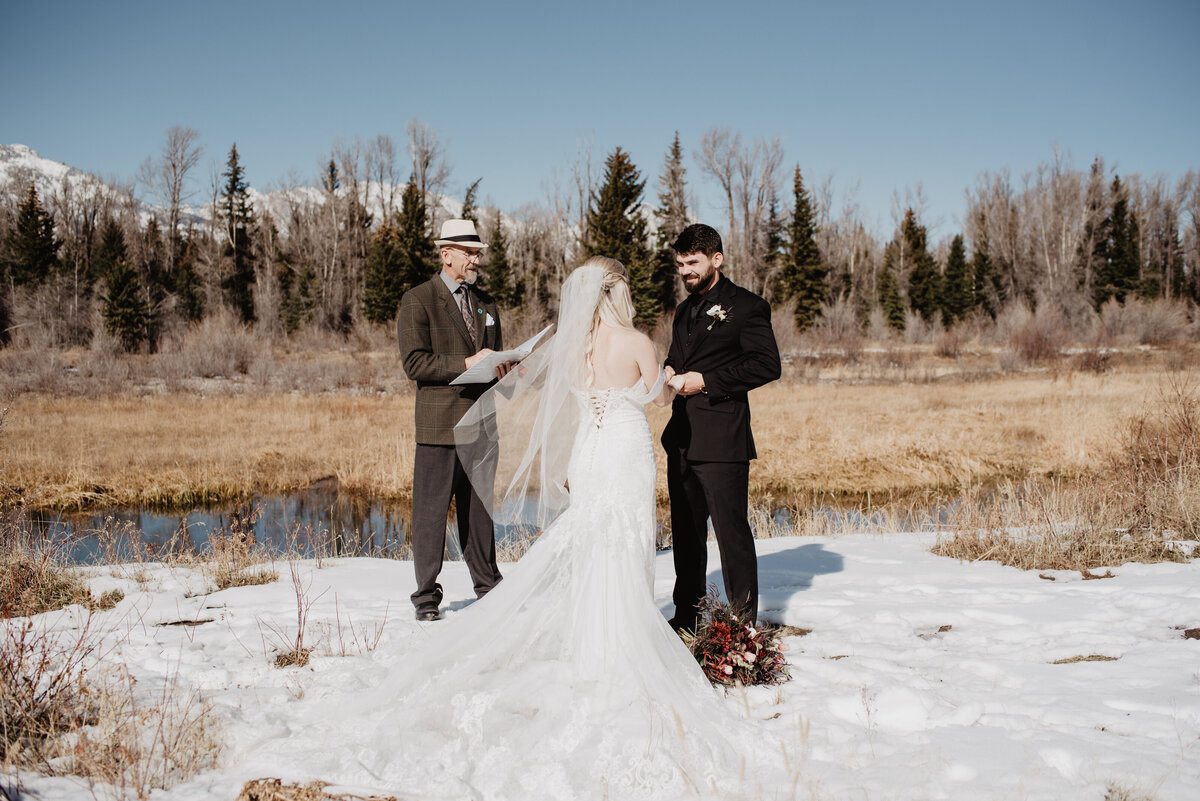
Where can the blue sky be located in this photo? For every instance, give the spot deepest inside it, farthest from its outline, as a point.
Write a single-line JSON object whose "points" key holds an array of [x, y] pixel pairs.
{"points": [[885, 95]]}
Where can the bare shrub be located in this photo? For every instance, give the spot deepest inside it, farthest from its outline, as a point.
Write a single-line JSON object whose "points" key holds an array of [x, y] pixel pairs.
{"points": [[1157, 465], [1034, 337], [949, 343], [1139, 322], [838, 328], [34, 576], [878, 329], [220, 345], [231, 555], [136, 745], [292, 650], [44, 688], [919, 331]]}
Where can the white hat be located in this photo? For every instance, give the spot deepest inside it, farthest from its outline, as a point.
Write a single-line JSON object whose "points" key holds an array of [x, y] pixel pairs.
{"points": [[461, 233]]}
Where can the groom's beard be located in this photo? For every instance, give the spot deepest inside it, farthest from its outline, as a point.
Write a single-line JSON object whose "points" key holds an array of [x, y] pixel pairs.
{"points": [[702, 283]]}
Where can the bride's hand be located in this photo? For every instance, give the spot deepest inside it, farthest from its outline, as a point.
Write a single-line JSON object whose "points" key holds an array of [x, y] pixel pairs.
{"points": [[676, 383]]}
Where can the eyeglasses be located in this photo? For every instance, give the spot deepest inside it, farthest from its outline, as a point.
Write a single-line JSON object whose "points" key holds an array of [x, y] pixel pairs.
{"points": [[470, 255]]}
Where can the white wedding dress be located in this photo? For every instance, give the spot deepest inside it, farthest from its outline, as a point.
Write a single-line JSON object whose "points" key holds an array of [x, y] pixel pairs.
{"points": [[565, 682]]}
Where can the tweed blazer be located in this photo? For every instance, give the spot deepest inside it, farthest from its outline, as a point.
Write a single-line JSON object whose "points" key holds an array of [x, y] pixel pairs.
{"points": [[433, 346]]}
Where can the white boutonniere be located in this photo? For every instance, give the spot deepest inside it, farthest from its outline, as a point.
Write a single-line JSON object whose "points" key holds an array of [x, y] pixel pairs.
{"points": [[719, 314]]}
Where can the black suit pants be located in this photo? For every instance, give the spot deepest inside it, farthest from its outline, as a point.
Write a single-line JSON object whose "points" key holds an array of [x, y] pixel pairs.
{"points": [[700, 490], [438, 476]]}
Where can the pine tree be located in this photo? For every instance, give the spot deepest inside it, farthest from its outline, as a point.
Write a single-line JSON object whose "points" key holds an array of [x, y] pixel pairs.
{"points": [[301, 300], [616, 228], [382, 280], [32, 248], [5, 324], [958, 287], [505, 286], [672, 215], [418, 256], [469, 211], [237, 215], [890, 300], [1116, 253], [924, 280], [1089, 255], [111, 251], [987, 286], [805, 278], [186, 284], [126, 313]]}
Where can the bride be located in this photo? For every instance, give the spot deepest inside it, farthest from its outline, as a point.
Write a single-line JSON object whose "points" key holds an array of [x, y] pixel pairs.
{"points": [[566, 681]]}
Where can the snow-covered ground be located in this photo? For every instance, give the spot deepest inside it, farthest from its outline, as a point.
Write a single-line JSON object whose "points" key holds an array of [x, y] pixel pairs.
{"points": [[922, 678]]}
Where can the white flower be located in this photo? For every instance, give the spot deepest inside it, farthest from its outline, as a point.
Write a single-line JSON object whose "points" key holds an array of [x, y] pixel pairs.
{"points": [[728, 670], [719, 314], [753, 632], [749, 657]]}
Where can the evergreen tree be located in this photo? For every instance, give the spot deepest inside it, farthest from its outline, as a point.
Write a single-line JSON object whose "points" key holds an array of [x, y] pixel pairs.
{"points": [[1092, 246], [187, 282], [616, 228], [889, 290], [112, 251], [924, 280], [672, 215], [301, 300], [418, 255], [32, 248], [126, 313], [987, 285], [237, 215], [382, 281], [958, 287], [1117, 256], [506, 287], [1173, 269], [469, 212], [805, 278]]}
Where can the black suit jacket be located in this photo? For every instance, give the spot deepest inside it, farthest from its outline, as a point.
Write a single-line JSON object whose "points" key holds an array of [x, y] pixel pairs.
{"points": [[735, 356]]}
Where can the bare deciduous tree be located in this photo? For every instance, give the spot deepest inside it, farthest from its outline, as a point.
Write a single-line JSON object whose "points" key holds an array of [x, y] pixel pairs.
{"points": [[749, 178], [429, 167], [167, 176]]}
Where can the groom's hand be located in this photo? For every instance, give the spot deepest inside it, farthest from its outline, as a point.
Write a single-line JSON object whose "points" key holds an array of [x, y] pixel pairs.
{"points": [[693, 382]]}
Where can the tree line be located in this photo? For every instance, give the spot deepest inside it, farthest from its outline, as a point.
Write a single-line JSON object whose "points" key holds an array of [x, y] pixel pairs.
{"points": [[85, 260]]}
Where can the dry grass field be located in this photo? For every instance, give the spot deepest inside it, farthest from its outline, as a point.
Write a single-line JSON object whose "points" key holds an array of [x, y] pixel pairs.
{"points": [[843, 443]]}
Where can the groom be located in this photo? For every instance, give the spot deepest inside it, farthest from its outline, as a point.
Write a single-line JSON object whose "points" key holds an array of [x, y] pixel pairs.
{"points": [[722, 346]]}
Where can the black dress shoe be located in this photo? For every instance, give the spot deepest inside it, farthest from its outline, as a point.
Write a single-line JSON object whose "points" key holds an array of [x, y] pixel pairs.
{"points": [[428, 612]]}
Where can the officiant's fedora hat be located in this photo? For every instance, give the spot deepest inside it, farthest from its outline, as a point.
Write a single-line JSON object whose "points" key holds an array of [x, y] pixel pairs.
{"points": [[461, 233]]}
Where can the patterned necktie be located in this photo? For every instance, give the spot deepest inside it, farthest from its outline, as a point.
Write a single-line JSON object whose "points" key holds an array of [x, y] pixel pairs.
{"points": [[465, 305]]}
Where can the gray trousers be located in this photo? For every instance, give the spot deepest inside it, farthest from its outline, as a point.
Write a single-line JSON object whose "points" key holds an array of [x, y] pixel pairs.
{"points": [[438, 477]]}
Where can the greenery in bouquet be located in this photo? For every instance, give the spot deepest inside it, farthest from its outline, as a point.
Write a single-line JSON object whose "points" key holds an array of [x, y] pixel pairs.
{"points": [[731, 651]]}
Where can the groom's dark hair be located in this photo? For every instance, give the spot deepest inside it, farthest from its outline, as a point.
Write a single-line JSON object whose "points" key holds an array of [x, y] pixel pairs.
{"points": [[698, 238]]}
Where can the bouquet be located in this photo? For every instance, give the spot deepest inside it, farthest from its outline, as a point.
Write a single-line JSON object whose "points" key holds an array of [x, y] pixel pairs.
{"points": [[731, 651]]}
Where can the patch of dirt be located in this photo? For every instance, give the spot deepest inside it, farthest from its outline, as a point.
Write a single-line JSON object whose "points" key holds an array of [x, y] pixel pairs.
{"points": [[197, 622], [276, 790], [1089, 576], [1191, 634], [1088, 658]]}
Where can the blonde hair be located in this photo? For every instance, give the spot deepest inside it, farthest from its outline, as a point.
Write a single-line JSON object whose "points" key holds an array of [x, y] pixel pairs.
{"points": [[615, 306]]}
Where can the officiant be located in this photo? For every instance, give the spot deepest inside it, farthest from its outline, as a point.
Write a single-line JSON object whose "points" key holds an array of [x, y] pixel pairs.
{"points": [[446, 325]]}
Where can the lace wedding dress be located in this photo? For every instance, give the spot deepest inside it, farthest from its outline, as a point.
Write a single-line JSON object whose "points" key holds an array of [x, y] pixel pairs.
{"points": [[565, 682]]}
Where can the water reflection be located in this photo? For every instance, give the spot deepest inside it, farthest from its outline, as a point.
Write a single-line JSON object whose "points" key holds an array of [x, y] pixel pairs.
{"points": [[324, 521]]}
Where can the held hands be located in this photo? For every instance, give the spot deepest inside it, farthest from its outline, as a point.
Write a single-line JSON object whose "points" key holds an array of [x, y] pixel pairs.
{"points": [[686, 383]]}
